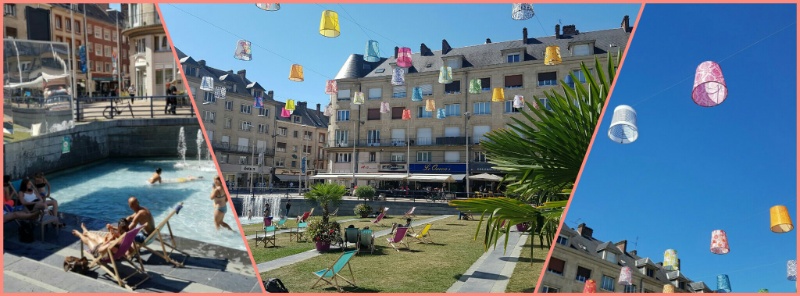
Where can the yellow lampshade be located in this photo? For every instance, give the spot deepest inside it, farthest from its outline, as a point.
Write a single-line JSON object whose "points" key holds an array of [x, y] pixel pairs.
{"points": [[329, 24], [668, 289], [297, 73], [552, 55], [779, 219], [498, 95]]}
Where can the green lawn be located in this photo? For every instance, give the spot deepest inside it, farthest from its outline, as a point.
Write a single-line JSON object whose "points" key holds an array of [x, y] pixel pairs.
{"points": [[429, 268], [525, 275]]}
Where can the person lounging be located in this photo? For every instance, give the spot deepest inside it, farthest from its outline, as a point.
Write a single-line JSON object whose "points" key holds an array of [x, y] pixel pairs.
{"points": [[32, 200]]}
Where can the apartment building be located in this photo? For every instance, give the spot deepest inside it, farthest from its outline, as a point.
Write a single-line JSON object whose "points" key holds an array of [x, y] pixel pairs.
{"points": [[15, 21], [151, 61]]}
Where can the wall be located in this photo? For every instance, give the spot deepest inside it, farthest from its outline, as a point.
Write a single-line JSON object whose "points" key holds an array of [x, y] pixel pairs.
{"points": [[28, 117], [98, 140]]}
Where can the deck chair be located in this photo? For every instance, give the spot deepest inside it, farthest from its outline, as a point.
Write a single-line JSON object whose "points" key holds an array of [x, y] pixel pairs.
{"points": [[268, 237], [399, 238], [380, 217], [162, 240], [329, 274], [334, 213], [108, 260], [305, 216], [282, 223], [423, 236], [467, 216], [410, 213], [365, 239], [299, 232], [351, 236]]}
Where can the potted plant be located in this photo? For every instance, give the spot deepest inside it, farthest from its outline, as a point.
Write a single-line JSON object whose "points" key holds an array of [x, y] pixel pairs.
{"points": [[366, 192], [362, 210], [323, 233], [324, 195]]}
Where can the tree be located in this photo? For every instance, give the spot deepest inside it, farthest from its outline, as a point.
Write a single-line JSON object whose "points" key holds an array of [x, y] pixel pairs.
{"points": [[325, 194]]}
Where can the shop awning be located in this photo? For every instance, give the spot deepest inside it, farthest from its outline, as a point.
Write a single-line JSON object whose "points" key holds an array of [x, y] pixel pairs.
{"points": [[459, 177], [325, 176], [431, 178], [288, 178], [391, 177]]}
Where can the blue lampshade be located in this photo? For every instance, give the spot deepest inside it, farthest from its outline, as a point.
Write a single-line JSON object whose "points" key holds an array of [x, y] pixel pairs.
{"points": [[416, 94], [372, 53], [723, 284], [398, 76], [569, 81], [440, 113]]}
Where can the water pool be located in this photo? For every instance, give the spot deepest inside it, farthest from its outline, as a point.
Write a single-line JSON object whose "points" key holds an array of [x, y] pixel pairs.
{"points": [[101, 191]]}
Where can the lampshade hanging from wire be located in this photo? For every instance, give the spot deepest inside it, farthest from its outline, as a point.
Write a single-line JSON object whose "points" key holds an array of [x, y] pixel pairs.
{"points": [[625, 276], [445, 75], [671, 260], [623, 128], [220, 92], [763, 290], [328, 111], [406, 114], [519, 101], [398, 76], [590, 286], [723, 284], [416, 94], [719, 242], [668, 288], [329, 24], [358, 98], [498, 94], [372, 53], [285, 113], [331, 88], [475, 86], [552, 55], [440, 114], [780, 222], [243, 51], [296, 73], [258, 102], [290, 105], [269, 6], [385, 108], [791, 270], [430, 105], [709, 85], [207, 83], [404, 57], [522, 11]]}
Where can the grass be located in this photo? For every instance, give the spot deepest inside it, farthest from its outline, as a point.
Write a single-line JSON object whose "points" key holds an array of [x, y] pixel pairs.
{"points": [[424, 268], [526, 275], [18, 134]]}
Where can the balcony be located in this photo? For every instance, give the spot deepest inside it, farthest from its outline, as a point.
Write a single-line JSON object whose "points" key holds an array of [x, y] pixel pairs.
{"points": [[227, 147], [439, 141]]}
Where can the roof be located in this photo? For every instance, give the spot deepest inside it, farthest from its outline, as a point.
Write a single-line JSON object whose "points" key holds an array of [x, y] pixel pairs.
{"points": [[94, 11], [308, 116]]}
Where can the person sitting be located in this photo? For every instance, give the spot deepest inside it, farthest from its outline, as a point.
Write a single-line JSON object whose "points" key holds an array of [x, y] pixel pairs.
{"points": [[9, 194], [140, 216], [33, 202], [42, 185], [9, 214], [156, 177], [99, 244]]}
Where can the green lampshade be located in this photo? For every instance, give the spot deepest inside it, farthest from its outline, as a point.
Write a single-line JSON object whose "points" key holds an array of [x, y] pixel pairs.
{"points": [[475, 86]]}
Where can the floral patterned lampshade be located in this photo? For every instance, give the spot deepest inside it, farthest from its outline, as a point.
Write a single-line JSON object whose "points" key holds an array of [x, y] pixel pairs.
{"points": [[709, 85], [406, 114], [671, 260], [623, 128], [331, 88], [668, 288], [552, 55], [521, 11], [207, 83], [285, 113], [440, 114], [373, 52], [404, 57], [430, 105], [445, 75], [763, 290], [290, 105], [719, 242], [780, 221], [625, 276], [398, 76], [328, 110], [269, 6], [723, 284], [519, 101], [258, 102], [590, 286], [475, 86], [296, 73], [416, 94], [498, 94], [385, 108], [243, 51], [329, 24], [358, 98], [791, 270]]}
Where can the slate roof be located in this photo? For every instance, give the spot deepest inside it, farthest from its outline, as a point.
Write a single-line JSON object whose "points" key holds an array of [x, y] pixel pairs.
{"points": [[94, 11]]}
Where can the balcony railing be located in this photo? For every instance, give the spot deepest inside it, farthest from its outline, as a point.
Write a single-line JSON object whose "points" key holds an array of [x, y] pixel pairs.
{"points": [[228, 147], [439, 141]]}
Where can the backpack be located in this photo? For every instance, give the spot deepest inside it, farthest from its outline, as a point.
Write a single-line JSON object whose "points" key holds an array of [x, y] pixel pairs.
{"points": [[26, 232], [275, 286]]}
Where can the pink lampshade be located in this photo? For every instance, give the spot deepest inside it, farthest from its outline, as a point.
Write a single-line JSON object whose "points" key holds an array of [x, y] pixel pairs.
{"points": [[625, 276], [590, 286], [719, 242], [519, 101], [709, 85], [285, 113], [331, 88], [385, 107], [406, 114], [404, 57]]}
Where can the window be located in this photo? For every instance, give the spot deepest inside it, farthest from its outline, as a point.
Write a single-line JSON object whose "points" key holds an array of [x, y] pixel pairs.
{"points": [[321, 137], [481, 108], [546, 289], [479, 156], [228, 123], [306, 135], [10, 9], [11, 32], [373, 138], [58, 23], [67, 24], [164, 43], [226, 140], [343, 157], [608, 283], [263, 128], [98, 32], [343, 95], [245, 109], [509, 107], [427, 89], [452, 110], [399, 137], [398, 157], [59, 39], [98, 49], [228, 104], [263, 112], [581, 50], [283, 131], [373, 156], [114, 36], [295, 134], [246, 125], [583, 274], [340, 137], [486, 84], [452, 156], [421, 113], [650, 272], [141, 47], [562, 240], [342, 115], [515, 81], [545, 103], [242, 159], [424, 156], [108, 67], [307, 149], [280, 162], [209, 116], [453, 87], [77, 27], [682, 285], [478, 133], [98, 67], [294, 163], [512, 58], [424, 136], [106, 34], [397, 112], [547, 79], [223, 158], [630, 288], [107, 51], [374, 93], [610, 257], [556, 266], [209, 98], [452, 131], [280, 147], [374, 114], [297, 119], [399, 92]]}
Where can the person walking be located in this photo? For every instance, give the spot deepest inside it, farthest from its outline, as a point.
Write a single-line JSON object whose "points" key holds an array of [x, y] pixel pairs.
{"points": [[288, 207], [132, 92]]}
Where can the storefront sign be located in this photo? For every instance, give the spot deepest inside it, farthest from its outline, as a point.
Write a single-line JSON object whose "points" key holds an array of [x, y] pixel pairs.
{"points": [[438, 168], [392, 167], [249, 169], [368, 168], [483, 167]]}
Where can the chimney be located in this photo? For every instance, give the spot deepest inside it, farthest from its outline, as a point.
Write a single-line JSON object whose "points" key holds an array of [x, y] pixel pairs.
{"points": [[242, 73], [445, 47], [633, 253], [230, 71], [626, 24], [396, 49], [585, 231], [524, 35], [558, 31], [302, 104], [488, 40], [424, 50], [318, 108], [271, 95], [202, 63], [622, 246], [570, 30]]}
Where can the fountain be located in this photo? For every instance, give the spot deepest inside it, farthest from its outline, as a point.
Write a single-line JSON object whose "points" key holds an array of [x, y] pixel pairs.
{"points": [[256, 205], [182, 146], [199, 145]]}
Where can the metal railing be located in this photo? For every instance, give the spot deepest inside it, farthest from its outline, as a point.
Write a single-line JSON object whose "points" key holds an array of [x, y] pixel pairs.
{"points": [[107, 108], [227, 147], [413, 141]]}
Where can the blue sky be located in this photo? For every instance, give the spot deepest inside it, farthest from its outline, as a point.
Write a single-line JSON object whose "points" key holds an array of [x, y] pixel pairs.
{"points": [[291, 35], [695, 169]]}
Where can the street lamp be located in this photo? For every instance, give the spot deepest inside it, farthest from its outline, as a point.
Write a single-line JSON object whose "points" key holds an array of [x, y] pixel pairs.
{"points": [[466, 157], [119, 49]]}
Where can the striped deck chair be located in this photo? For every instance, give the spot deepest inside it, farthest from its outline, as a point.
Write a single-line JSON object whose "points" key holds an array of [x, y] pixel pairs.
{"points": [[380, 217], [108, 260], [399, 238], [299, 232], [268, 237], [282, 223], [165, 244], [365, 239], [424, 235], [351, 236], [335, 212], [329, 275], [410, 213]]}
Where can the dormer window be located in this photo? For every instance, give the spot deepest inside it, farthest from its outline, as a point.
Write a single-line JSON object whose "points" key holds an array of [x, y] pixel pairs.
{"points": [[610, 257], [234, 88], [583, 49], [296, 119], [453, 63], [562, 240], [513, 58], [367, 67], [256, 93]]}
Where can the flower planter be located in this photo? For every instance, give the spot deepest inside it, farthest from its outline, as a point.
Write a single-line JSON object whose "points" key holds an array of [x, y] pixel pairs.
{"points": [[364, 215], [323, 246], [522, 227]]}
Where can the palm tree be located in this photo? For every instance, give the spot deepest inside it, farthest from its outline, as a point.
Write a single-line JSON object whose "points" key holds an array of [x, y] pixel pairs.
{"points": [[325, 194], [542, 154]]}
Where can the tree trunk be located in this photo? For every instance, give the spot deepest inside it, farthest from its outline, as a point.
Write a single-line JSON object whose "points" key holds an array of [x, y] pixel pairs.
{"points": [[325, 214]]}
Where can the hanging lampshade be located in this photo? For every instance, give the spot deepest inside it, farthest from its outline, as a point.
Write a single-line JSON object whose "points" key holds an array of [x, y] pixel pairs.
{"points": [[719, 242], [498, 94], [243, 51], [791, 270], [328, 110], [296, 74], [445, 75], [535, 105], [404, 57], [568, 80], [385, 107], [723, 284], [763, 290], [475, 86], [430, 105], [331, 88], [709, 85], [416, 94], [440, 114], [329, 24], [671, 259], [590, 286], [398, 76], [668, 288], [358, 98], [373, 52], [623, 128], [519, 101], [219, 92], [258, 103], [290, 105], [406, 114], [780, 222], [269, 6], [521, 11], [207, 84], [552, 55], [625, 276], [285, 113]]}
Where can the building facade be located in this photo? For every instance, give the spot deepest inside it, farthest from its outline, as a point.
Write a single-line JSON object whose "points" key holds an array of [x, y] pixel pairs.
{"points": [[384, 143], [151, 62], [578, 256], [255, 147], [15, 21]]}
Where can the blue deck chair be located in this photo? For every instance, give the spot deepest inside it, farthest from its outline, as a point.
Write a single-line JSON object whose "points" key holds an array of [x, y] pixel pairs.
{"points": [[329, 274]]}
